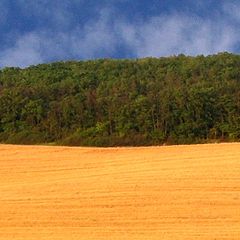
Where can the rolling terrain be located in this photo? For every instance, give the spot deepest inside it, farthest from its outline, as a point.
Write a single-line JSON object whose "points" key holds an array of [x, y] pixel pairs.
{"points": [[169, 192]]}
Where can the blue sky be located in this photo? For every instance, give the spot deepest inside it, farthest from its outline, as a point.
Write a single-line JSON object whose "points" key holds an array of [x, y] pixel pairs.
{"points": [[38, 31]]}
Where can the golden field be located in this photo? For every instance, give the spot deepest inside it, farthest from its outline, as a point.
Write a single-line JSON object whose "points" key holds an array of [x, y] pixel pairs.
{"points": [[170, 192]]}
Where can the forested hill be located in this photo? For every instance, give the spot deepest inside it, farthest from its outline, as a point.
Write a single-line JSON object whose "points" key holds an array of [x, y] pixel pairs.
{"points": [[122, 102]]}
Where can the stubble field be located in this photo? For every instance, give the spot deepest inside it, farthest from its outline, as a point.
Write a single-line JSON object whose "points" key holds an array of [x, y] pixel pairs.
{"points": [[170, 192]]}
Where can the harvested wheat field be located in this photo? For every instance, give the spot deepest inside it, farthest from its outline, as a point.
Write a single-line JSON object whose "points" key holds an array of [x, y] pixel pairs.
{"points": [[170, 192]]}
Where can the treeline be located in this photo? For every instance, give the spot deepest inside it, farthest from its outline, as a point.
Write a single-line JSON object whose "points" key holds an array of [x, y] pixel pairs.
{"points": [[107, 102]]}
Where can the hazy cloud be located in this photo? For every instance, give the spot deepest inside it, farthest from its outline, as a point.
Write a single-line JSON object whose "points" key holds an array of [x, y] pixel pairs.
{"points": [[25, 52], [174, 34], [166, 34]]}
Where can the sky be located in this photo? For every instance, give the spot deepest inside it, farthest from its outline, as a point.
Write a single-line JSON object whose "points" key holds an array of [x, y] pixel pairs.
{"points": [[42, 31]]}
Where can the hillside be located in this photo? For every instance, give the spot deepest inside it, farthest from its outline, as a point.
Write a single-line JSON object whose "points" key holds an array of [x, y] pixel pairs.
{"points": [[108, 102], [170, 192]]}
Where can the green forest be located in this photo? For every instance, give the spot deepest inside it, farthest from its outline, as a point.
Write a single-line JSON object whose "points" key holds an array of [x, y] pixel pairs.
{"points": [[150, 101]]}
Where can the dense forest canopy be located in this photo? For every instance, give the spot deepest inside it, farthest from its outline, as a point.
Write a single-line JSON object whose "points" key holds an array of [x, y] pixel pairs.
{"points": [[108, 102]]}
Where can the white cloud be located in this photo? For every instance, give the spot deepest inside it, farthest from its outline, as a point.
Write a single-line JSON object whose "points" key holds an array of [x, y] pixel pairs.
{"points": [[97, 38], [174, 34], [93, 40], [25, 52], [158, 36]]}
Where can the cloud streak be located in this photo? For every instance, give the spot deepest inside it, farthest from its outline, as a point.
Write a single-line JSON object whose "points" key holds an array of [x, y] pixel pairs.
{"points": [[174, 34], [100, 37]]}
